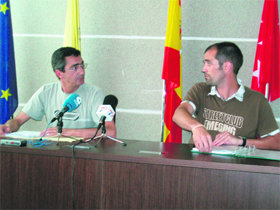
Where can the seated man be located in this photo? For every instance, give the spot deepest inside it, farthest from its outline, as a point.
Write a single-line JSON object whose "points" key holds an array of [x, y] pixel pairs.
{"points": [[223, 111], [69, 67]]}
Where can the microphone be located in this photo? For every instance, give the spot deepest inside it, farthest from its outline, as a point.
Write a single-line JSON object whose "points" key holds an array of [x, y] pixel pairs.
{"points": [[111, 100], [71, 103], [106, 112]]}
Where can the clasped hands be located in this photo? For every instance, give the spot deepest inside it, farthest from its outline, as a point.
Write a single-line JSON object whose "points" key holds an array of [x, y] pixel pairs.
{"points": [[52, 131], [203, 140]]}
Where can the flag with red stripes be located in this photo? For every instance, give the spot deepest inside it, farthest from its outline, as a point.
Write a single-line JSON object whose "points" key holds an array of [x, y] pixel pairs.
{"points": [[172, 72], [266, 73]]}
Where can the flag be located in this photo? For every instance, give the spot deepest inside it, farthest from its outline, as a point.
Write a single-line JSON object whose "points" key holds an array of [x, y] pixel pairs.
{"points": [[171, 72], [72, 37], [8, 84], [266, 73]]}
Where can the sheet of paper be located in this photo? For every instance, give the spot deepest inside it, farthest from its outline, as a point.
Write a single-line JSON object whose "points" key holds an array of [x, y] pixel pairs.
{"points": [[24, 134], [33, 135], [224, 150], [246, 152], [262, 154]]}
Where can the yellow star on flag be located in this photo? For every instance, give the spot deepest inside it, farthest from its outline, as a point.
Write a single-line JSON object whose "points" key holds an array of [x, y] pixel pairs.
{"points": [[6, 94], [4, 8]]}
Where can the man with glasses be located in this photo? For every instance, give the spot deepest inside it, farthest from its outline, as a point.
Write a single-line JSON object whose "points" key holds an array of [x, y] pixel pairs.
{"points": [[69, 67]]}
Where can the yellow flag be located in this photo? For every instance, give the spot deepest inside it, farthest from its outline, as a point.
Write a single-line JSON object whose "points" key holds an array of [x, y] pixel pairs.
{"points": [[72, 37]]}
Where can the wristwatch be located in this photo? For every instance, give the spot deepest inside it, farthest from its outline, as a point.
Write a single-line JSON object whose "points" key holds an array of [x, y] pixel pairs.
{"points": [[244, 139]]}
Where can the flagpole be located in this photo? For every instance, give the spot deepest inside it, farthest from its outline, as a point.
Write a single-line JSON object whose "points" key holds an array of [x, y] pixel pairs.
{"points": [[163, 110], [266, 90]]}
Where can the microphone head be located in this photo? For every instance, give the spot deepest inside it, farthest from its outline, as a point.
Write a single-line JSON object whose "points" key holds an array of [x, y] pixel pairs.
{"points": [[72, 102], [105, 111], [111, 100]]}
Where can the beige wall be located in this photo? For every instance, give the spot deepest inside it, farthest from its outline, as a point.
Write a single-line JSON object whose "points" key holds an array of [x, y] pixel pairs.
{"points": [[123, 43]]}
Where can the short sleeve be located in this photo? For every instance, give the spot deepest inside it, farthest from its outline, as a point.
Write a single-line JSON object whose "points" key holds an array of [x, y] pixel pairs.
{"points": [[267, 122], [196, 93], [34, 108]]}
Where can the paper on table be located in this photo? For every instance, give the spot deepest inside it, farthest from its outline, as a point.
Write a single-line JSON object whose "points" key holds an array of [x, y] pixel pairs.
{"points": [[24, 134], [32, 135], [246, 152], [262, 154], [223, 150]]}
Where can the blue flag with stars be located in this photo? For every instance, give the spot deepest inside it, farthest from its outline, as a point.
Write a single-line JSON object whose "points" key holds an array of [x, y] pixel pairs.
{"points": [[8, 84]]}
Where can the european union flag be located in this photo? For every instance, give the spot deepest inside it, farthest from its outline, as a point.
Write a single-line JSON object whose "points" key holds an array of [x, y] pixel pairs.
{"points": [[8, 84]]}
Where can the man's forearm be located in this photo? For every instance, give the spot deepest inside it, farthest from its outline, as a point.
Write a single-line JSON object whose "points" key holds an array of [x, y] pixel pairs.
{"points": [[90, 132], [184, 119], [80, 133], [269, 142]]}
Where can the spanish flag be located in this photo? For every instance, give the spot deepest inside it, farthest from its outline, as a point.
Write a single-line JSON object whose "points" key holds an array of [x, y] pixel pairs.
{"points": [[72, 37], [172, 67]]}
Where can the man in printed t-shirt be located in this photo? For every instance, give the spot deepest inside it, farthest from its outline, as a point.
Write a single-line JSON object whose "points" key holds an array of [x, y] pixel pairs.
{"points": [[69, 67], [223, 111]]}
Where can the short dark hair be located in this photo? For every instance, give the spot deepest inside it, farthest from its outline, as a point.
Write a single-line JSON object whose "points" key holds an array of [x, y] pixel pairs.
{"points": [[228, 51], [58, 57]]}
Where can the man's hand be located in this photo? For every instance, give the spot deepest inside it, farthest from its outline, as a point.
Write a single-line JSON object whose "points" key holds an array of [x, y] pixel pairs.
{"points": [[202, 139], [183, 118], [227, 138], [50, 132], [4, 129]]}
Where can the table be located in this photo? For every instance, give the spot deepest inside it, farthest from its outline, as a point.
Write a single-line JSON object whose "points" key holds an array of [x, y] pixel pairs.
{"points": [[141, 175]]}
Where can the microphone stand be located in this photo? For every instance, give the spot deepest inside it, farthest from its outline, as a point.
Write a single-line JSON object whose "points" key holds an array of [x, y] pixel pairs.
{"points": [[59, 128], [103, 135]]}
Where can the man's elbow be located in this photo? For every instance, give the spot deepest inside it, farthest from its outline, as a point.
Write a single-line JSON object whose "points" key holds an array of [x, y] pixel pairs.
{"points": [[277, 141], [175, 116], [270, 142]]}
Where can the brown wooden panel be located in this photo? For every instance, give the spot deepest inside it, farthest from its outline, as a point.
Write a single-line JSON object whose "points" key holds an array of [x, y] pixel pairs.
{"points": [[9, 180], [146, 186], [115, 177], [220, 189], [235, 190], [88, 180], [39, 182], [131, 186]]}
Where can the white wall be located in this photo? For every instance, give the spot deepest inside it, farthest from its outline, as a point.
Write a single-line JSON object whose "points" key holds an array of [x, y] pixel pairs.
{"points": [[123, 43]]}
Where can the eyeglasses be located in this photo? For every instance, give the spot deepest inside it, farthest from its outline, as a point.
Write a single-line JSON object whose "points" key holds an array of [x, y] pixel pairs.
{"points": [[78, 66]]}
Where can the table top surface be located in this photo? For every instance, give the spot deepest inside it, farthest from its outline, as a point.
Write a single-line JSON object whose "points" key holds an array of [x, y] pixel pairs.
{"points": [[149, 152]]}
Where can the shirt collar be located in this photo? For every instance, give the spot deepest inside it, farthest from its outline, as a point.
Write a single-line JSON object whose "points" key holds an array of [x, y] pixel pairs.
{"points": [[238, 95]]}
